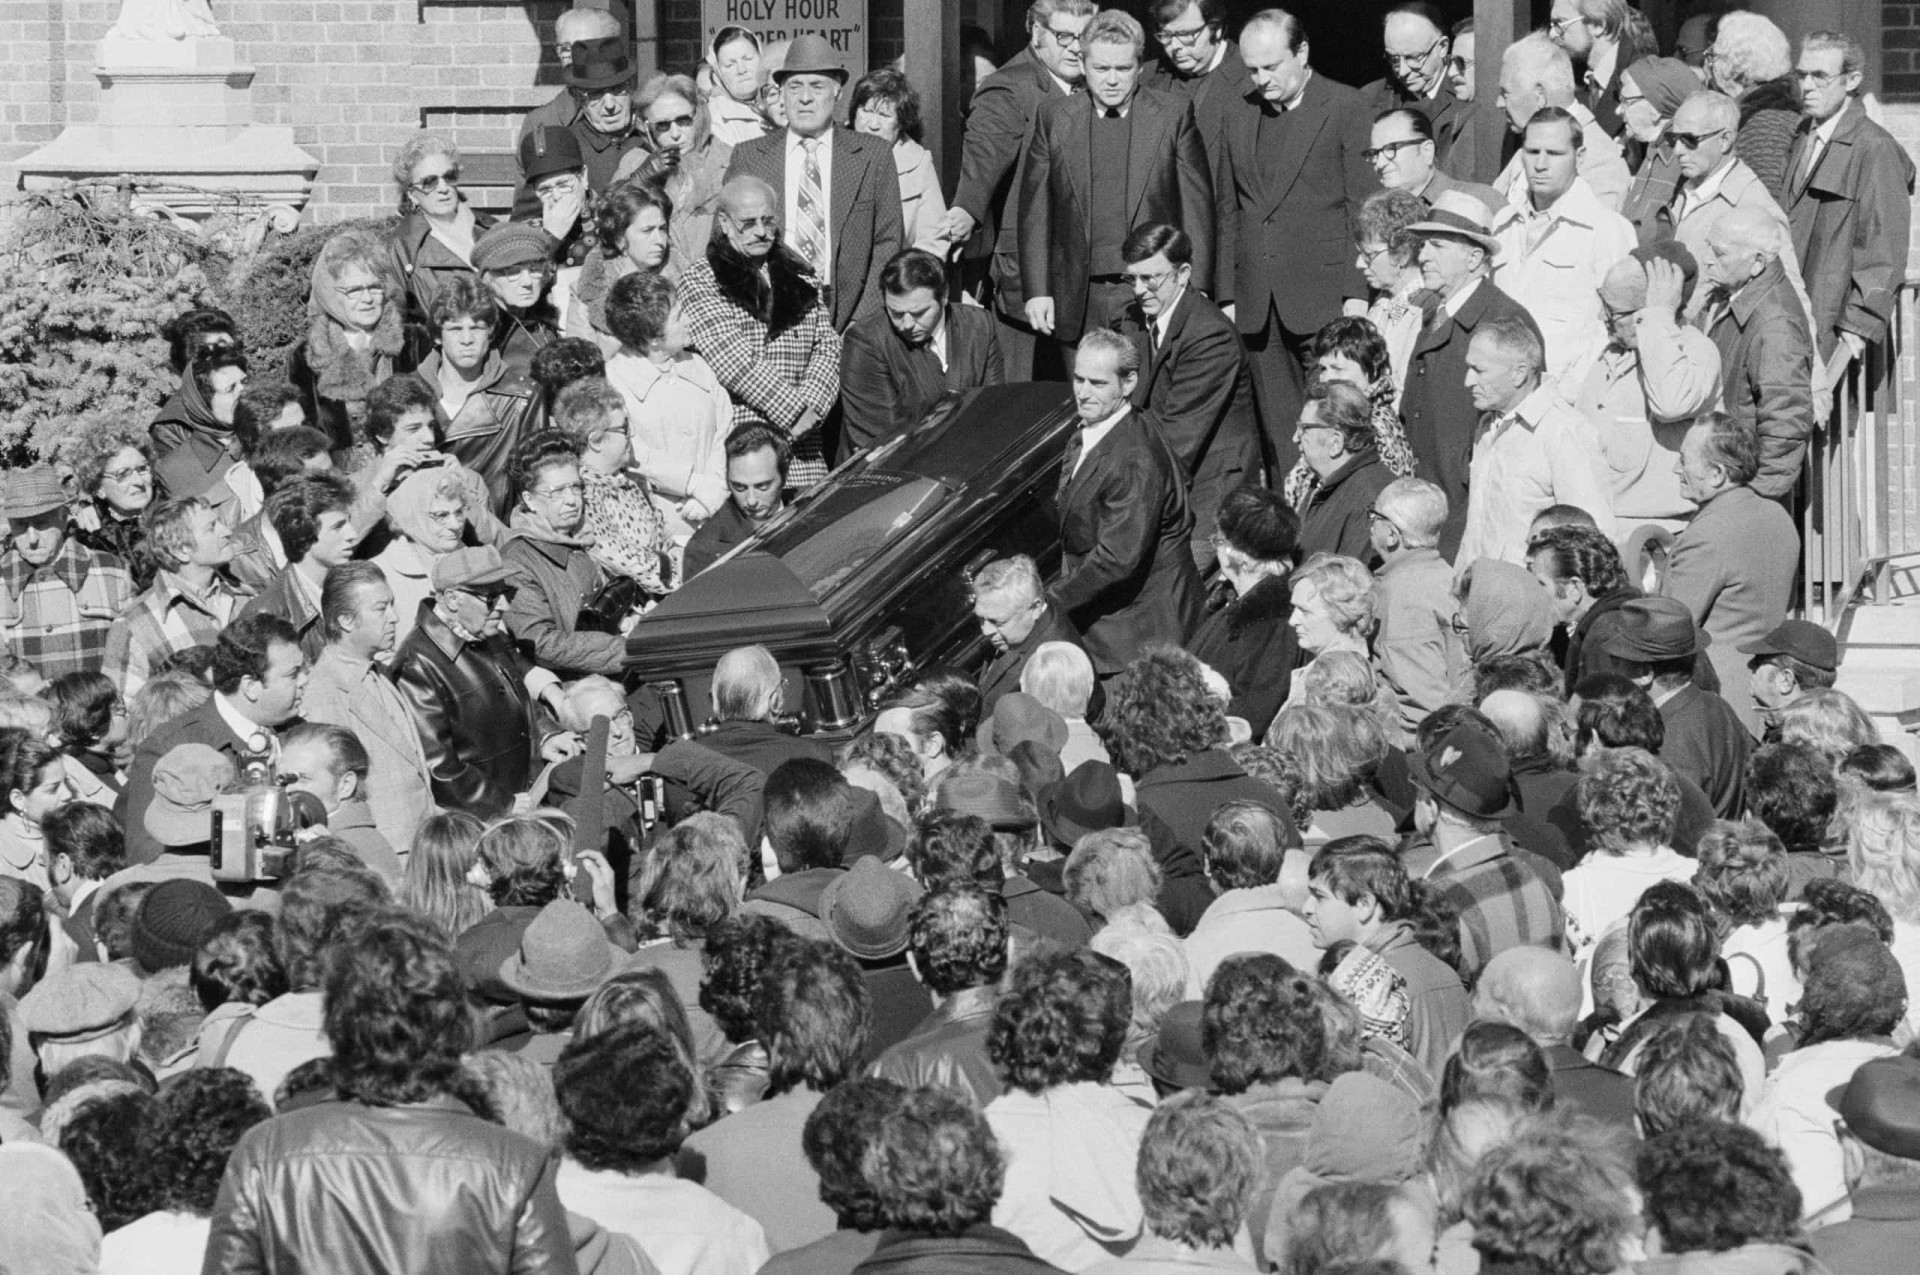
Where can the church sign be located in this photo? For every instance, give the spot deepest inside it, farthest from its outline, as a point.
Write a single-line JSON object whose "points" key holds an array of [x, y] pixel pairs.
{"points": [[843, 23]]}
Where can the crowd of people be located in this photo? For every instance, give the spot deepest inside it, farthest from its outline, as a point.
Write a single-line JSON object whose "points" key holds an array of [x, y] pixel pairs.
{"points": [[1409, 835]]}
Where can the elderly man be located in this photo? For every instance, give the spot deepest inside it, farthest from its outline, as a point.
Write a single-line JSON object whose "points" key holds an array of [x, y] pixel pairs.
{"points": [[1733, 565], [1752, 62], [1766, 352], [994, 155], [1651, 379], [1534, 73], [1533, 449], [758, 318], [1198, 63], [1539, 992], [58, 598], [191, 598], [1010, 602], [577, 23], [1557, 242], [1593, 32], [837, 191], [1405, 156], [1797, 657], [1880, 1143], [515, 259], [1418, 646], [748, 692], [555, 171], [1127, 577], [1336, 439], [1291, 172], [1656, 643], [600, 76], [1102, 163], [1848, 189], [1457, 250], [1198, 383], [1414, 40], [896, 364]]}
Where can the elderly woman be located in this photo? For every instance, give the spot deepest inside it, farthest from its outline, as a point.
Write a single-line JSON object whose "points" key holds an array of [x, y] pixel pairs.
{"points": [[734, 57], [1249, 641], [427, 514], [1352, 351], [356, 335], [434, 240], [515, 260], [1339, 751], [193, 440], [1071, 1138], [1628, 800], [1651, 90], [113, 472], [1388, 258], [486, 410], [684, 158], [623, 525], [1333, 610], [1752, 62], [737, 954], [632, 229], [688, 883], [885, 105], [1506, 610], [1110, 870]]}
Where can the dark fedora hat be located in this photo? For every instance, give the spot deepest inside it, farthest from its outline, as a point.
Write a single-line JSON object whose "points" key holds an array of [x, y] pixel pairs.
{"points": [[1089, 799], [867, 908], [602, 63], [1175, 1056], [874, 833], [1467, 770], [1647, 630], [978, 792], [1881, 1105], [810, 54]]}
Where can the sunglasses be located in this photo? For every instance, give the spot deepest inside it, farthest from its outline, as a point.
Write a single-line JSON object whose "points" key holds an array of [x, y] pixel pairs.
{"points": [[434, 181], [662, 127], [1694, 141]]}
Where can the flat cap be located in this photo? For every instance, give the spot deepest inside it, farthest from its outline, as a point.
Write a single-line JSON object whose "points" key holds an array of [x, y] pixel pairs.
{"points": [[1802, 639], [80, 1003]]}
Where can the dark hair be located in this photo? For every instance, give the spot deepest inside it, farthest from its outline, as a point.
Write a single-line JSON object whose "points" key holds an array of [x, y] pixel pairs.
{"points": [[1062, 1018], [282, 456], [1791, 788], [1686, 1073], [23, 918], [1497, 1060], [1345, 408], [637, 309], [393, 398], [1712, 1185], [958, 936], [211, 359], [242, 649], [1552, 1199], [1583, 554], [1531, 671], [259, 405], [1246, 844], [1335, 1224], [942, 703], [107, 1140], [891, 756], [948, 848], [911, 269], [198, 1119], [1743, 871], [745, 440], [891, 88], [1615, 713], [537, 453], [1261, 1022], [810, 812], [23, 758], [183, 333], [1157, 237], [736, 957], [1258, 522], [835, 1140], [395, 1011], [1836, 1003], [464, 296], [1880, 767], [1824, 902], [934, 1164], [113, 917], [625, 1093], [83, 703], [340, 594], [1557, 115], [316, 910], [239, 961], [89, 836], [1199, 1165], [813, 1014], [1416, 120], [619, 208], [296, 509], [1356, 338], [1670, 942], [1160, 712]]}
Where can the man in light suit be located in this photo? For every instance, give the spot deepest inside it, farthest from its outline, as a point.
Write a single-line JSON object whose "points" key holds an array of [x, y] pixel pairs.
{"points": [[1413, 36], [853, 225], [1127, 578], [985, 214], [1848, 185], [1292, 180], [1101, 163], [896, 364], [1195, 381]]}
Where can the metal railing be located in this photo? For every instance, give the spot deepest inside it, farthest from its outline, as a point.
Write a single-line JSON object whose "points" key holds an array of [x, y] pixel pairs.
{"points": [[1862, 510]]}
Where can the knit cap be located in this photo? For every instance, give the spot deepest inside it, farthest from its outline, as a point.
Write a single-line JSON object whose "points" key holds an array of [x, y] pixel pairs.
{"points": [[172, 920], [512, 243]]}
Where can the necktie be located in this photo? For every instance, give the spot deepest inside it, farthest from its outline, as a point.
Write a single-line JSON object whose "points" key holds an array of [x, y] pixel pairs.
{"points": [[1071, 461], [811, 233], [1813, 161]]}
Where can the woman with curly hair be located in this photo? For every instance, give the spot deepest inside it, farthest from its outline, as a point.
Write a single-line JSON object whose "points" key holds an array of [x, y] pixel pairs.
{"points": [[688, 883], [1165, 727], [1742, 875], [1388, 258], [1071, 1138], [113, 474], [1555, 1199], [356, 336], [1333, 610], [631, 235], [937, 1172], [434, 241], [1883, 849], [1628, 800], [1339, 750]]}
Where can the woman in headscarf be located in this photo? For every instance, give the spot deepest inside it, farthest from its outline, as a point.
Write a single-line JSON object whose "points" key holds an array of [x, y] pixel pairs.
{"points": [[684, 158], [356, 335], [633, 233], [1651, 90], [435, 237], [427, 514], [734, 58]]}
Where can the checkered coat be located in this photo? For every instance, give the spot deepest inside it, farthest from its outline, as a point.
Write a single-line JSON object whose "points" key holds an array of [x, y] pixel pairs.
{"points": [[165, 620], [770, 342], [1501, 903], [57, 616]]}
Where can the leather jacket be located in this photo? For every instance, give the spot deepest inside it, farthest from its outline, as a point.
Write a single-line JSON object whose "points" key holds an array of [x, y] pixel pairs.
{"points": [[428, 1188], [477, 721], [949, 1048]]}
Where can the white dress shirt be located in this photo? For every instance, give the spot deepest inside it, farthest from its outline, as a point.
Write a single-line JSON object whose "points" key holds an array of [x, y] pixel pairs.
{"points": [[796, 168], [1092, 435]]}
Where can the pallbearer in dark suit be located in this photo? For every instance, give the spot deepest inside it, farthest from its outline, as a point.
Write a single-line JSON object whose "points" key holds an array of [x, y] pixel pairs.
{"points": [[1195, 379], [1292, 179], [1127, 578], [1101, 163], [896, 364]]}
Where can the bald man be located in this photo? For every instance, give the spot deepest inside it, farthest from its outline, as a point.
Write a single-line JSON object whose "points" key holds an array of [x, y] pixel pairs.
{"points": [[749, 692], [755, 315], [1524, 725], [1539, 992]]}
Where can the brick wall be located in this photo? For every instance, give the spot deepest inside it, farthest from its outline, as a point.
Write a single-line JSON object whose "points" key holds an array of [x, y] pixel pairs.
{"points": [[1900, 50]]}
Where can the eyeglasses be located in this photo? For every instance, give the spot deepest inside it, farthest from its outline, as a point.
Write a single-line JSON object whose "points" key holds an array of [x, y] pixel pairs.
{"points": [[365, 290], [1370, 255], [662, 127], [555, 493], [1821, 78], [1559, 25], [1694, 141], [1414, 59], [1148, 282], [561, 184], [1185, 39], [434, 181], [754, 223], [1389, 150], [131, 472], [1065, 39]]}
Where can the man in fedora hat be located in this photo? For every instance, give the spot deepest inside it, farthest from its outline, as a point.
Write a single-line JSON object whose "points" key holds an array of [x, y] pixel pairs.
{"points": [[838, 191], [58, 598], [1456, 254], [576, 24], [600, 76], [1656, 641]]}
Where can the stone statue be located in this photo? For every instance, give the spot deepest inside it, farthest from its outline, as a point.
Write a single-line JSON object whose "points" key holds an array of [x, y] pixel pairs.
{"points": [[165, 20]]}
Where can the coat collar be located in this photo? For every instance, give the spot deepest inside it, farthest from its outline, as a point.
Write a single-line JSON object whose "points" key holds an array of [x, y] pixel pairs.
{"points": [[780, 301], [69, 566], [1209, 764], [1758, 290]]}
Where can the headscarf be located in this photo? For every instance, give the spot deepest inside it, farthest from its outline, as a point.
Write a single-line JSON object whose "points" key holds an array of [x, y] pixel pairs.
{"points": [[63, 1237], [407, 504], [1508, 610], [1665, 83], [194, 406], [341, 371]]}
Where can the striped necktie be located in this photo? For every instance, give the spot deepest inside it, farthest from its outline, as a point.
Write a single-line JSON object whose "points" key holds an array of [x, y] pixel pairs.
{"points": [[811, 233]]}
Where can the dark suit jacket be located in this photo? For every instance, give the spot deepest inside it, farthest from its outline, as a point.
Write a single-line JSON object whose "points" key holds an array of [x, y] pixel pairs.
{"points": [[1002, 674], [1447, 112], [1766, 373], [993, 161], [1249, 642], [762, 746], [886, 385], [1199, 387], [864, 226], [1706, 743], [202, 725], [1127, 577], [1167, 181], [1286, 229], [1213, 95], [1599, 1093], [1438, 411], [1850, 224], [727, 528], [1334, 517]]}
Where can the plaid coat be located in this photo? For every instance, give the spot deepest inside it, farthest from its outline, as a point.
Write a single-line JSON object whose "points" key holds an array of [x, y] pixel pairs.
{"points": [[1501, 902], [166, 619], [57, 617], [770, 342]]}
